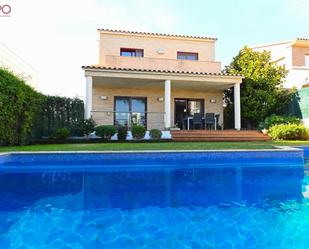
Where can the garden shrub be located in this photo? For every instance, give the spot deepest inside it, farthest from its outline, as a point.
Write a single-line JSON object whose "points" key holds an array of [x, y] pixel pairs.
{"points": [[77, 129], [122, 132], [138, 131], [288, 132], [275, 120], [105, 131], [19, 106], [88, 126], [62, 133], [83, 127], [155, 133]]}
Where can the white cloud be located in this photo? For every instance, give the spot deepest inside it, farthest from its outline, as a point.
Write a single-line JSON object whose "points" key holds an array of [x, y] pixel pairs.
{"points": [[58, 37]]}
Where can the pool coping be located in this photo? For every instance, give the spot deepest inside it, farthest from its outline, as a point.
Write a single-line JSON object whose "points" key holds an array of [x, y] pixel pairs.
{"points": [[277, 149]]}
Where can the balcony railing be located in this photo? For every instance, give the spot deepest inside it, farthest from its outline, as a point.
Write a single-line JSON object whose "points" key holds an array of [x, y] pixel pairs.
{"points": [[147, 119], [161, 64]]}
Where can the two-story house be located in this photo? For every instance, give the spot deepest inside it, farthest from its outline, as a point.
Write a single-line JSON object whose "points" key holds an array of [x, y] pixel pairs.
{"points": [[156, 79], [294, 56]]}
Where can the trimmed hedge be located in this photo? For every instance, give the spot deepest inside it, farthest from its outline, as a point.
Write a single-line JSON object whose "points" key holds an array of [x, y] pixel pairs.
{"points": [[105, 131], [58, 112], [19, 105], [138, 131], [288, 132], [155, 134]]}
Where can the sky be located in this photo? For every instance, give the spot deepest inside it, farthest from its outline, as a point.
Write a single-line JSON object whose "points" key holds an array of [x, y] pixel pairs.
{"points": [[57, 37]]}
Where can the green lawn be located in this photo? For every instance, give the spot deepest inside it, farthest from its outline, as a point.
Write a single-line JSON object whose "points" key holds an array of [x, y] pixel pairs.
{"points": [[154, 146]]}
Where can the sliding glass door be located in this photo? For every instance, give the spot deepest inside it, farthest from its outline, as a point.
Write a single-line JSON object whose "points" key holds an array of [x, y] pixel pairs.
{"points": [[185, 108], [130, 111]]}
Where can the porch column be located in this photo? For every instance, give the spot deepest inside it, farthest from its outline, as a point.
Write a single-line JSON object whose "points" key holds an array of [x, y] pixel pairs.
{"points": [[88, 97], [237, 106], [167, 104]]}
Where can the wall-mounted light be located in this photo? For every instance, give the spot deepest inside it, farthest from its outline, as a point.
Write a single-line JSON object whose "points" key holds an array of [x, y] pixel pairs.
{"points": [[213, 101], [160, 99], [103, 97], [160, 51]]}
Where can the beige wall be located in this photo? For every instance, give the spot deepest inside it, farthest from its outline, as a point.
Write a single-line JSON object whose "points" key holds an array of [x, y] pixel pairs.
{"points": [[279, 52], [162, 64], [103, 109], [298, 55], [292, 55], [110, 45]]}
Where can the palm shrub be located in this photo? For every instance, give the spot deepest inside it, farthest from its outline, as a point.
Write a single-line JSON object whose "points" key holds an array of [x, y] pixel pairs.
{"points": [[138, 131], [155, 133], [105, 131], [122, 132], [288, 132]]}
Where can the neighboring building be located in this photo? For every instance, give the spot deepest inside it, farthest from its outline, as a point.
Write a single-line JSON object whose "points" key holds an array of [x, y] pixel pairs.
{"points": [[156, 79], [15, 63], [294, 55]]}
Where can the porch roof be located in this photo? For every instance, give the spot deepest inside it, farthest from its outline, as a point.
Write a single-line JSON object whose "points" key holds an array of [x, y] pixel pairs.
{"points": [[103, 68], [150, 78]]}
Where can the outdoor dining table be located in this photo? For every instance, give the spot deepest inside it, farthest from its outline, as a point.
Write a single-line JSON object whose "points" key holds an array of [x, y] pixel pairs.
{"points": [[188, 118]]}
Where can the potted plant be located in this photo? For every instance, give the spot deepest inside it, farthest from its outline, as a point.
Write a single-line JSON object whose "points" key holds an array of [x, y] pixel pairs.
{"points": [[174, 128]]}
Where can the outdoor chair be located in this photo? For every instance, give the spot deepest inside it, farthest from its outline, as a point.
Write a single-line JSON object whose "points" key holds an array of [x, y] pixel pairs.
{"points": [[197, 120], [209, 120], [217, 116]]}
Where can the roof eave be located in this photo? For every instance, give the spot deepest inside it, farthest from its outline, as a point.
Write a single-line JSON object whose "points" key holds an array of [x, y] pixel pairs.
{"points": [[159, 71], [125, 32]]}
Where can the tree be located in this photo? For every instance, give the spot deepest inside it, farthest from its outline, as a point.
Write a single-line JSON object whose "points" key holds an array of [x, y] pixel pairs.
{"points": [[19, 105], [261, 91]]}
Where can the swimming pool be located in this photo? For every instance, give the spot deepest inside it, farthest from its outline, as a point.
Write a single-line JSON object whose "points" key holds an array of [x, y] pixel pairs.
{"points": [[154, 200]]}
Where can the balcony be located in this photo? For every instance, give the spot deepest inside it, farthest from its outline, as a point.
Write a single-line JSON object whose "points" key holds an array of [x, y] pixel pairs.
{"points": [[161, 64]]}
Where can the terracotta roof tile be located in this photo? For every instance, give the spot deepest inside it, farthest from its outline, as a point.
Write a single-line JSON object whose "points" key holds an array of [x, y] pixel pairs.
{"points": [[158, 34], [302, 39], [157, 71]]}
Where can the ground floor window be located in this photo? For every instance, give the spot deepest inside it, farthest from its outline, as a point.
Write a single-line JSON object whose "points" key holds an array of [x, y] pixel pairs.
{"points": [[130, 111], [185, 108]]}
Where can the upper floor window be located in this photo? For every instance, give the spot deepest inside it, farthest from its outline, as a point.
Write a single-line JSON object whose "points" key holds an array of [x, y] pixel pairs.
{"points": [[187, 56], [132, 52], [307, 60]]}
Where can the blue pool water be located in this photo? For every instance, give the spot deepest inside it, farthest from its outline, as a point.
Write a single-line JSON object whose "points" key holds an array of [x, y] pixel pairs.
{"points": [[154, 200]]}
